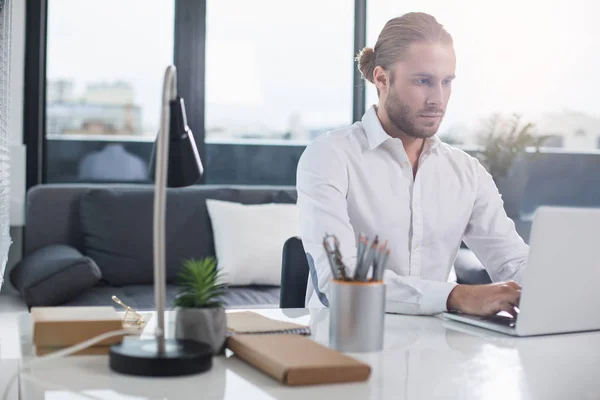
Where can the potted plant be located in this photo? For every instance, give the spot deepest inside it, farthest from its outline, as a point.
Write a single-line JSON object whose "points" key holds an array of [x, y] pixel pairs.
{"points": [[199, 313], [504, 143]]}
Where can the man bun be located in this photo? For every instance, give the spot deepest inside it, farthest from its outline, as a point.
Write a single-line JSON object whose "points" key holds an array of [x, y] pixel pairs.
{"points": [[366, 63]]}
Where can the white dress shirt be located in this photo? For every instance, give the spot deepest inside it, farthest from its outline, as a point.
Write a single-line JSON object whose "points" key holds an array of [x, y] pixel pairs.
{"points": [[359, 179]]}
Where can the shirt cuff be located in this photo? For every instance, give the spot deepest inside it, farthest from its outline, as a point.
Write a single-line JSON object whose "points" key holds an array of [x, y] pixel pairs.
{"points": [[434, 299]]}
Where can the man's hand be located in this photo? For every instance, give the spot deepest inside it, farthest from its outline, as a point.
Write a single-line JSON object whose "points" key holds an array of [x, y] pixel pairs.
{"points": [[485, 300]]}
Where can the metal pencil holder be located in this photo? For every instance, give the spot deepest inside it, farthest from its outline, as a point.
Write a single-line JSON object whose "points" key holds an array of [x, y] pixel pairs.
{"points": [[357, 311]]}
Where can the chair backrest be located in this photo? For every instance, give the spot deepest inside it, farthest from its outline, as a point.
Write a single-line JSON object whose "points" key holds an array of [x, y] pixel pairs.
{"points": [[294, 274]]}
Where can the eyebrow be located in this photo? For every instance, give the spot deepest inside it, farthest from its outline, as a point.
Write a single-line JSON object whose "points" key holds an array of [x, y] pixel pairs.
{"points": [[424, 75]]}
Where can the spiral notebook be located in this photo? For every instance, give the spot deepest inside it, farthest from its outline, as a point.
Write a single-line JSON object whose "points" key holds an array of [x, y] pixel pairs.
{"points": [[248, 322]]}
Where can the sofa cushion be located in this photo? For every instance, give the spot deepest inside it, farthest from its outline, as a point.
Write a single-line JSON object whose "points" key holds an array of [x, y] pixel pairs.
{"points": [[141, 297], [249, 240], [53, 275], [116, 223]]}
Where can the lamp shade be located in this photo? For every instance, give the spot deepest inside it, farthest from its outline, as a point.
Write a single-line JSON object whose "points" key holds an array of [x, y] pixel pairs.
{"points": [[184, 164]]}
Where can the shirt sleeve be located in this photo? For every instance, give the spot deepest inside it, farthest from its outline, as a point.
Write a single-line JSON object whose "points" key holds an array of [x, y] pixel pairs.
{"points": [[491, 234], [322, 186]]}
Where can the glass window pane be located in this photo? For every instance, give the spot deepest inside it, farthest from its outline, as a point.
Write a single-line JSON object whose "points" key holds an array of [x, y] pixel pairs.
{"points": [[278, 69], [518, 57], [105, 65]]}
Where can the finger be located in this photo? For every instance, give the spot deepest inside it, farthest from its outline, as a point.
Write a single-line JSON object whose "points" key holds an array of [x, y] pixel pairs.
{"points": [[514, 285], [509, 308], [514, 297], [509, 294]]}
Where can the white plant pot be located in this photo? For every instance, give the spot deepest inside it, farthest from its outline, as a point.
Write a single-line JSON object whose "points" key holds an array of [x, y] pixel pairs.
{"points": [[207, 325]]}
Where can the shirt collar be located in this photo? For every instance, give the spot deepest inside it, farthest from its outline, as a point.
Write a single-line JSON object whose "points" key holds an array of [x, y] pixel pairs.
{"points": [[432, 143], [376, 135], [372, 126]]}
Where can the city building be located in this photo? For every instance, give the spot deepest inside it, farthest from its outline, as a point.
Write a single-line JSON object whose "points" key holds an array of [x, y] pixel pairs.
{"points": [[578, 131], [105, 109]]}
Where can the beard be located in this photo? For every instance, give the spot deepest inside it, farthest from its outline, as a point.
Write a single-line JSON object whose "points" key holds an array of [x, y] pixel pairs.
{"points": [[404, 119]]}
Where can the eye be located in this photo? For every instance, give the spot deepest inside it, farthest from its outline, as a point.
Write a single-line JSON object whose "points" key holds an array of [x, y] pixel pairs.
{"points": [[447, 82], [422, 81]]}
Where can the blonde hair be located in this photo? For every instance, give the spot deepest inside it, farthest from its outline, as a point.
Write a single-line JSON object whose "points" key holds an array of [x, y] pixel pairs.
{"points": [[396, 37]]}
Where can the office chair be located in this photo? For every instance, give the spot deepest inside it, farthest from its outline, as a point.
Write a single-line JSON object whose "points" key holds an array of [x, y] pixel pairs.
{"points": [[294, 274]]}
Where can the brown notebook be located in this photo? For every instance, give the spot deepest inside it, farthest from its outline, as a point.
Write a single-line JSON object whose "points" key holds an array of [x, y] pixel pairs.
{"points": [[66, 326], [251, 322], [296, 360]]}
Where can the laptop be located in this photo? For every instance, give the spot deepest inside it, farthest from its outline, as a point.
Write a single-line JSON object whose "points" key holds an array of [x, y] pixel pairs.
{"points": [[561, 283]]}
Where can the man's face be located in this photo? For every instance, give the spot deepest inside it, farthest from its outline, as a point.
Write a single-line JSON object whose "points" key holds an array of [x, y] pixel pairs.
{"points": [[419, 89]]}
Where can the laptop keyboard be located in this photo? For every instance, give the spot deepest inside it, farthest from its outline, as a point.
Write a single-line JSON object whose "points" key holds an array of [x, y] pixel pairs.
{"points": [[498, 319]]}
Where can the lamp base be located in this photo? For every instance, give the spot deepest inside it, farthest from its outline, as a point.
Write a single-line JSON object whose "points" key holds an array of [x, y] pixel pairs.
{"points": [[140, 357]]}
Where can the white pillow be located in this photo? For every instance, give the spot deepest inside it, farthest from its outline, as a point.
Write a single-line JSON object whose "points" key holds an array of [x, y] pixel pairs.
{"points": [[249, 239]]}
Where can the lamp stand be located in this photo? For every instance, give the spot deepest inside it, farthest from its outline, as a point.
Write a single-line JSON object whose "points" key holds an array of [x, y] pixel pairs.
{"points": [[160, 356]]}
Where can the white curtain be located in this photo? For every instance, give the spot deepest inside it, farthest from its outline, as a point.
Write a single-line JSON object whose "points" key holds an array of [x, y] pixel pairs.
{"points": [[5, 29]]}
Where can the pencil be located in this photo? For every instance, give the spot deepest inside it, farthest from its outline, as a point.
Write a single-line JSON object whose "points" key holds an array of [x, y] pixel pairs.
{"points": [[378, 261], [370, 253], [385, 256], [362, 248]]}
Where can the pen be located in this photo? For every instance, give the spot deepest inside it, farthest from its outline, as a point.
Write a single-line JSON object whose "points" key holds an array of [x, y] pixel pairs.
{"points": [[341, 268], [328, 253], [334, 272]]}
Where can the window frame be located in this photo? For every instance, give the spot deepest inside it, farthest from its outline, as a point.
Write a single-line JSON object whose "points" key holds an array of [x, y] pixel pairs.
{"points": [[189, 56]]}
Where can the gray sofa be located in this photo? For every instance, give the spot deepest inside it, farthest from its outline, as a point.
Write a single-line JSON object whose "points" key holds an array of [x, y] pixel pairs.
{"points": [[85, 243]]}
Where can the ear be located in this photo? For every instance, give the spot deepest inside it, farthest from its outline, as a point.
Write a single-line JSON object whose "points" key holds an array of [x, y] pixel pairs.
{"points": [[381, 79]]}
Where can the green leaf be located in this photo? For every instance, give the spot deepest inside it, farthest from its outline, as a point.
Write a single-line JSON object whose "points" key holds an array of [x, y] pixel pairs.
{"points": [[504, 141], [200, 284]]}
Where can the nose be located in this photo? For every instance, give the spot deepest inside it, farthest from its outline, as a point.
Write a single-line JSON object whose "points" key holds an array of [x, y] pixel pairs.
{"points": [[435, 96]]}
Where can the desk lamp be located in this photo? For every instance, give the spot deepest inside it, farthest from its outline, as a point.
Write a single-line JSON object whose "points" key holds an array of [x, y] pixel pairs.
{"points": [[174, 154]]}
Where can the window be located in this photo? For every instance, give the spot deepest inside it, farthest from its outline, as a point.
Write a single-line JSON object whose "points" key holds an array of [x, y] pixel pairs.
{"points": [[514, 57], [5, 200], [105, 65], [278, 70]]}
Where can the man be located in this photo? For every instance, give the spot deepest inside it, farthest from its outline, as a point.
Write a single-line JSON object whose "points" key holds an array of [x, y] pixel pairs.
{"points": [[389, 175]]}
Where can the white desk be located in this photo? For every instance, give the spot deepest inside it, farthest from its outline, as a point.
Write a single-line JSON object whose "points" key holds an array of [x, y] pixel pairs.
{"points": [[424, 358], [10, 350]]}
